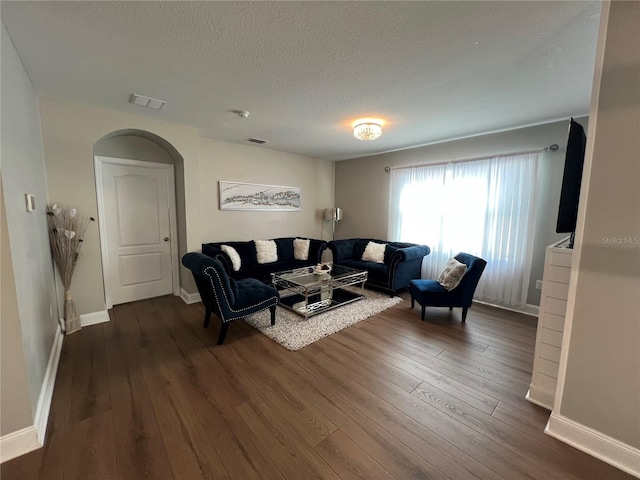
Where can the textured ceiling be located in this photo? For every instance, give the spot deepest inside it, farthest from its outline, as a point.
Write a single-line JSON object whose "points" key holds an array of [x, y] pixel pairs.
{"points": [[306, 70]]}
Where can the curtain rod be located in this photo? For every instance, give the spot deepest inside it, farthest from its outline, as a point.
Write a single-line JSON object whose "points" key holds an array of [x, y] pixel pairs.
{"points": [[551, 148]]}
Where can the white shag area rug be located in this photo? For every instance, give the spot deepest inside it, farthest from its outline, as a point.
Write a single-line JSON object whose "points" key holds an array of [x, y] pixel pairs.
{"points": [[293, 332]]}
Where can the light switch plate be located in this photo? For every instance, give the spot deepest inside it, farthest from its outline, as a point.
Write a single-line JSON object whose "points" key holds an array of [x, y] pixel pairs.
{"points": [[30, 200]]}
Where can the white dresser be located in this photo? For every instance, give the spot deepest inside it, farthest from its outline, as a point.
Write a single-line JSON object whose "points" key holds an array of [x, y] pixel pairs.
{"points": [[553, 306]]}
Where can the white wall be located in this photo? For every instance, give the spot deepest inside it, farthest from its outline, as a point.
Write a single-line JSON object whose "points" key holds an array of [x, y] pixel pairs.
{"points": [[132, 148], [599, 384], [71, 130], [239, 163], [23, 171], [362, 185]]}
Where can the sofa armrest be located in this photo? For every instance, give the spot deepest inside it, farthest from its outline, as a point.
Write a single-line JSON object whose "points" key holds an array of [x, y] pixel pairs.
{"points": [[405, 264], [316, 249], [409, 253]]}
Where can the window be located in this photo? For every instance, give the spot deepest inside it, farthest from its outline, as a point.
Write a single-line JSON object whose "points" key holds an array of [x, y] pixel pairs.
{"points": [[482, 207]]}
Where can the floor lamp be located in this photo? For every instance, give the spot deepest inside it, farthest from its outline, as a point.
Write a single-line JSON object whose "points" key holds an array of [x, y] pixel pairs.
{"points": [[333, 215]]}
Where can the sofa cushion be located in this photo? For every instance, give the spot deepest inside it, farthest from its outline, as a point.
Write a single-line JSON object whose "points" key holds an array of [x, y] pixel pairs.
{"points": [[263, 272], [236, 262], [247, 252], [250, 289], [285, 248], [266, 251], [376, 272], [359, 248], [374, 252], [344, 250], [301, 248]]}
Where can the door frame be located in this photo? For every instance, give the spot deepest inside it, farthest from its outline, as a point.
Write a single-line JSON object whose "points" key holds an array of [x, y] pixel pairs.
{"points": [[99, 161]]}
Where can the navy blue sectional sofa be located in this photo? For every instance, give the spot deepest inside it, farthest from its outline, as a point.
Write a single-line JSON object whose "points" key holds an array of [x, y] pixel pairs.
{"points": [[250, 268], [402, 262]]}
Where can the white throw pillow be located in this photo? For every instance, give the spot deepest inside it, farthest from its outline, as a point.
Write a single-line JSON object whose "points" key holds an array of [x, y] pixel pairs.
{"points": [[374, 252], [266, 251], [301, 248], [452, 274], [233, 255]]}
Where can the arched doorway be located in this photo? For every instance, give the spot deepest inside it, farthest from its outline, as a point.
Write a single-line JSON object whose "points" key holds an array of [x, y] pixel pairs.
{"points": [[141, 213]]}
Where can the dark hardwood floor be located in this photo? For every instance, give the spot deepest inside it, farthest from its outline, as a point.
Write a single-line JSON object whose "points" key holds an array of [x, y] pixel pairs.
{"points": [[150, 395]]}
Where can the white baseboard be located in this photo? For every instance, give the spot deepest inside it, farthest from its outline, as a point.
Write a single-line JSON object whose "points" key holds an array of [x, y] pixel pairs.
{"points": [[533, 310], [94, 318], [596, 444], [46, 392], [31, 438], [189, 298], [541, 397], [528, 309], [18, 443]]}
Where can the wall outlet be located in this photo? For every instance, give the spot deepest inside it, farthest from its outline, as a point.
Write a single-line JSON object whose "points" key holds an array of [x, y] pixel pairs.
{"points": [[538, 284]]}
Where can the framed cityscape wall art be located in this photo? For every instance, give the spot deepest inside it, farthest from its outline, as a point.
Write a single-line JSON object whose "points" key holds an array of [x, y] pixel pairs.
{"points": [[255, 196]]}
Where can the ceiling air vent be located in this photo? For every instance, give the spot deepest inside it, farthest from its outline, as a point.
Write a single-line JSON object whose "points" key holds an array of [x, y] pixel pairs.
{"points": [[148, 102], [259, 141]]}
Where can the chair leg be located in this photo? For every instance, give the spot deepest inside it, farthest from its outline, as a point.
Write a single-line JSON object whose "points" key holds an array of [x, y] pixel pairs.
{"points": [[423, 313], [223, 332], [464, 314], [207, 318], [413, 303], [273, 314]]}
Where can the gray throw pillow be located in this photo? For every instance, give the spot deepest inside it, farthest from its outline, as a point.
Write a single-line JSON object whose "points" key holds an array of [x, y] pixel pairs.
{"points": [[452, 274]]}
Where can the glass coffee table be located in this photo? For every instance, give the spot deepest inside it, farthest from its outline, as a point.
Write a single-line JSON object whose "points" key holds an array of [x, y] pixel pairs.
{"points": [[308, 293]]}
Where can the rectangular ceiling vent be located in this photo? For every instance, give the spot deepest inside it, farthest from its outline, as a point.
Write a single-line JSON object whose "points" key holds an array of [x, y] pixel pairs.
{"points": [[148, 102], [259, 141]]}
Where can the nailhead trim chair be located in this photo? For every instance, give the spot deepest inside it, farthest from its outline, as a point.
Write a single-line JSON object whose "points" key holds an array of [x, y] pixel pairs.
{"points": [[429, 293], [227, 298]]}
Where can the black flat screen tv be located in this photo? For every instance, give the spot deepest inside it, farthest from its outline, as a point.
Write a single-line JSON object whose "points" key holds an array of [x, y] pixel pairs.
{"points": [[571, 180]]}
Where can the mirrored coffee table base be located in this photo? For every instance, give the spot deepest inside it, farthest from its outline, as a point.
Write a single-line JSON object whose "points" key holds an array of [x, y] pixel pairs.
{"points": [[306, 293]]}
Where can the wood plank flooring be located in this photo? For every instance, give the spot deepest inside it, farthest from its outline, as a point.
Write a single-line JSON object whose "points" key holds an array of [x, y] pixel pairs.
{"points": [[150, 395]]}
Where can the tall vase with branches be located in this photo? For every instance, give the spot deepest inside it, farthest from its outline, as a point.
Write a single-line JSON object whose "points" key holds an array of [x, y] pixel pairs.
{"points": [[66, 235]]}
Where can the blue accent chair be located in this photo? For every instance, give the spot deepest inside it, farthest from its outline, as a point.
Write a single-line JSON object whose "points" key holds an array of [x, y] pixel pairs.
{"points": [[429, 293], [227, 298]]}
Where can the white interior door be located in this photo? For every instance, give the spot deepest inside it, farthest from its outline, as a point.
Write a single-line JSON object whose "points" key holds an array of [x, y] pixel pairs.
{"points": [[136, 228]]}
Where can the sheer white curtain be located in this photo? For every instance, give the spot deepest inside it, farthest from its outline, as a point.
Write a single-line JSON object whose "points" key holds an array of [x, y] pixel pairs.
{"points": [[482, 207]]}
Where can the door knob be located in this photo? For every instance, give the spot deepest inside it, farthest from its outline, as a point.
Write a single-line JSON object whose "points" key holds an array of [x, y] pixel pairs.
{"points": [[166, 239]]}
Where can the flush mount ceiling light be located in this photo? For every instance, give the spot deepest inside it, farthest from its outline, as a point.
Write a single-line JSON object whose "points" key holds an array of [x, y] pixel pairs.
{"points": [[367, 130]]}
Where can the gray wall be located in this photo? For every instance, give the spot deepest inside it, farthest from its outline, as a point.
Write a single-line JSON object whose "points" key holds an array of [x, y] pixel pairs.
{"points": [[14, 393], [601, 387], [36, 324], [362, 185]]}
